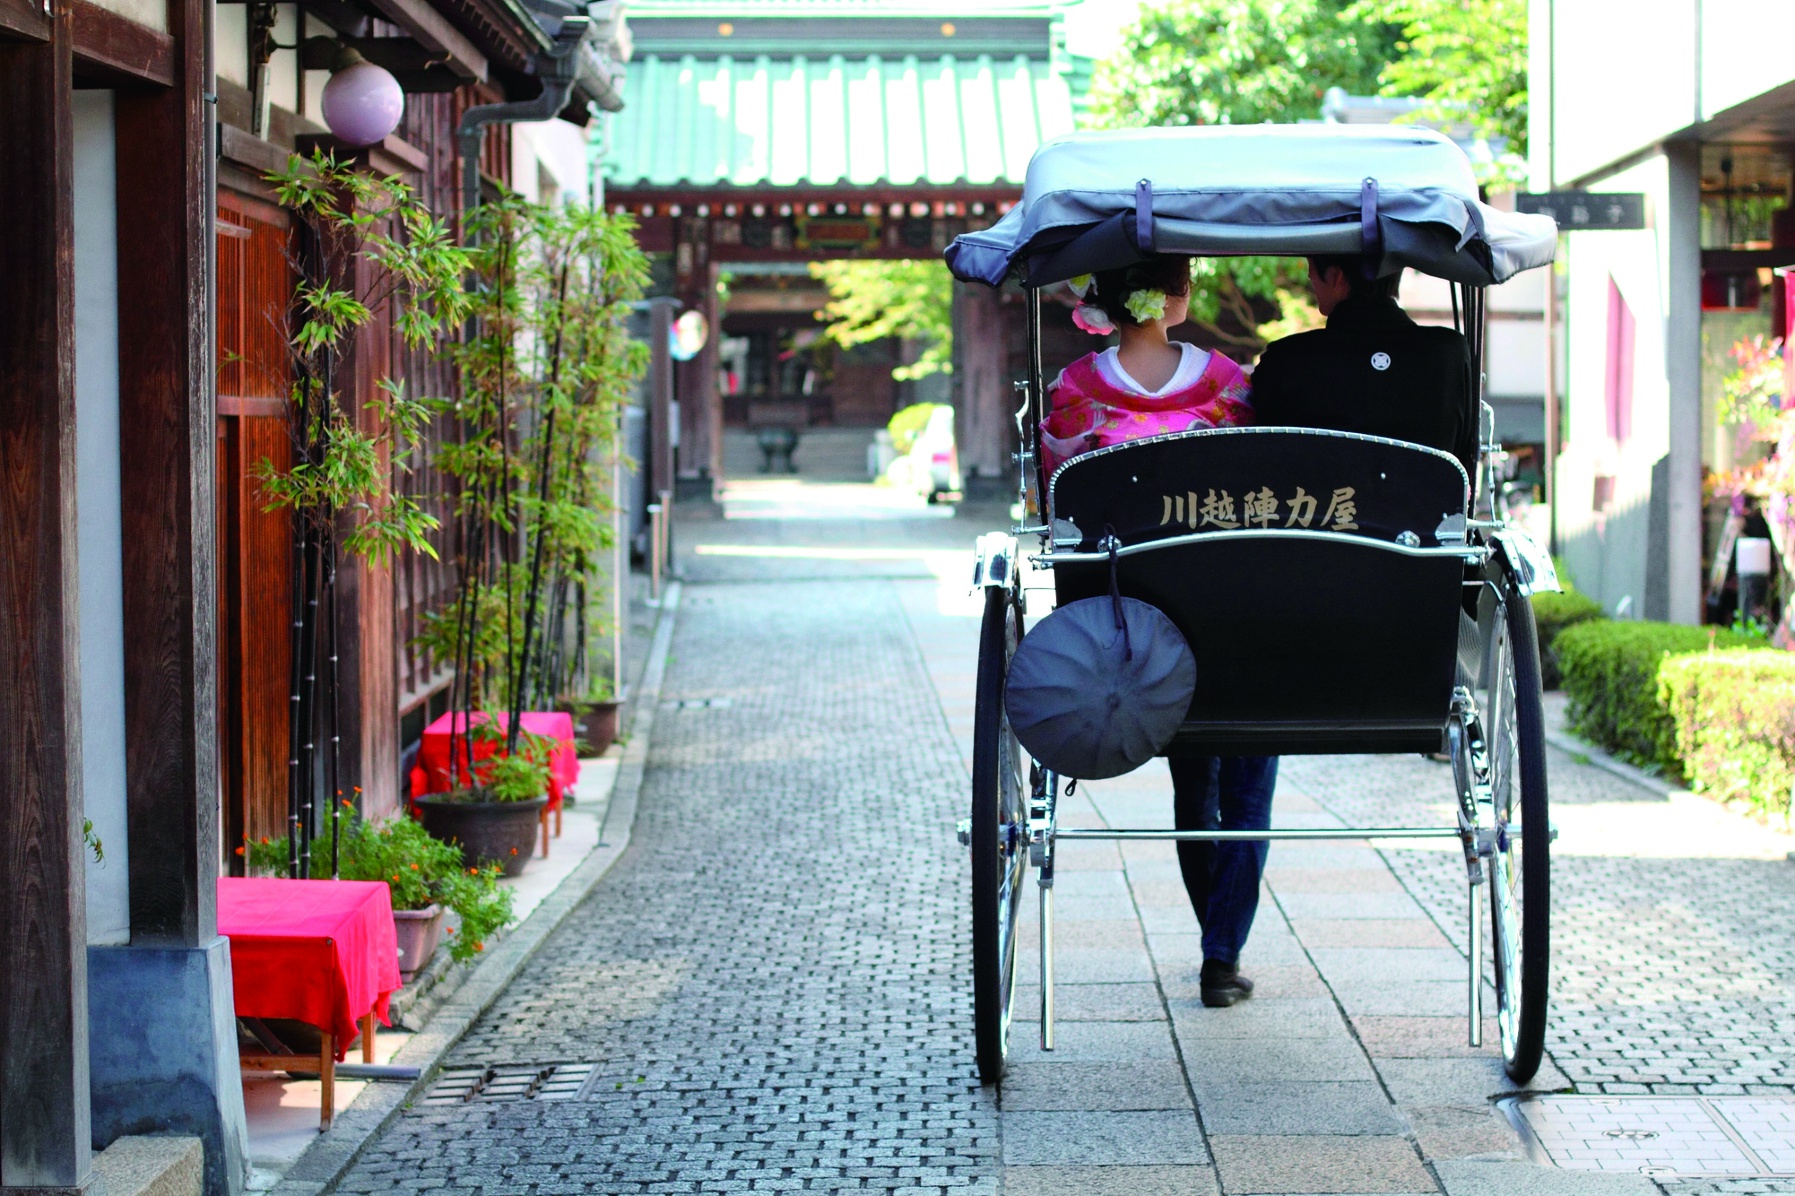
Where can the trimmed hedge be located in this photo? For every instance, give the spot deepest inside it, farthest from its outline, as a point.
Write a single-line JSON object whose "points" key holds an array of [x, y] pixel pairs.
{"points": [[1611, 677], [1734, 719], [1552, 613]]}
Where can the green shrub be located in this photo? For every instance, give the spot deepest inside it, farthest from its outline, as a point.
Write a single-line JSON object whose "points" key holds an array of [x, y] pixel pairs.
{"points": [[418, 870], [1734, 718], [1611, 676], [1552, 613]]}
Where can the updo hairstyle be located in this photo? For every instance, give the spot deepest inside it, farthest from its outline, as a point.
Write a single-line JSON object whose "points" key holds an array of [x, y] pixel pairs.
{"points": [[1111, 288]]}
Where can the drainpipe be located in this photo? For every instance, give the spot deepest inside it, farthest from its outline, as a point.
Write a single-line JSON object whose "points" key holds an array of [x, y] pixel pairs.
{"points": [[557, 67]]}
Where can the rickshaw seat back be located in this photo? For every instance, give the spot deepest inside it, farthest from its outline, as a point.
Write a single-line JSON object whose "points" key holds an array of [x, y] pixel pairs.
{"points": [[1317, 576]]}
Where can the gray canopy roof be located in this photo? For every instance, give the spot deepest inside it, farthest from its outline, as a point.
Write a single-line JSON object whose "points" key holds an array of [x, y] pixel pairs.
{"points": [[1405, 194]]}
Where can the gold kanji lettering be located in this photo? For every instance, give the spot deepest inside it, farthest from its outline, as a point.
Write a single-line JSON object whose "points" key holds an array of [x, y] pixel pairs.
{"points": [[1302, 509], [1219, 511], [1342, 510], [1260, 508]]}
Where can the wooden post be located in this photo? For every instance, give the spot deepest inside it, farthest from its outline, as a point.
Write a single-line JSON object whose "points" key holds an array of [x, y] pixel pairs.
{"points": [[168, 481], [45, 1140]]}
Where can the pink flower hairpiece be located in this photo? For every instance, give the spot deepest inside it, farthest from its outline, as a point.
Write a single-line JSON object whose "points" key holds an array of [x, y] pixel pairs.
{"points": [[1093, 319]]}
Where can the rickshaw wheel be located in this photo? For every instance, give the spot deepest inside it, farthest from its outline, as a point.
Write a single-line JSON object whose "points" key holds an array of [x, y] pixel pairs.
{"points": [[1520, 870], [999, 837]]}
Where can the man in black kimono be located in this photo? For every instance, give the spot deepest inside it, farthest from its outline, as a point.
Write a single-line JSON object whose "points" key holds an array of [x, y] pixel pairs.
{"points": [[1371, 370]]}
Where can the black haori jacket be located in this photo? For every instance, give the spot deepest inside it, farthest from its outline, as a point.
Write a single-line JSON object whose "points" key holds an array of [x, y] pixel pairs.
{"points": [[1375, 371]]}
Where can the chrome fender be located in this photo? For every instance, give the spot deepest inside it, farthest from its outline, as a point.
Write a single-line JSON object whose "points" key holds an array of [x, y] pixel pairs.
{"points": [[994, 561], [1530, 563]]}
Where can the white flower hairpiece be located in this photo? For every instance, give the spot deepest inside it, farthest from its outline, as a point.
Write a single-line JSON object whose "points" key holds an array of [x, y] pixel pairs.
{"points": [[1146, 306]]}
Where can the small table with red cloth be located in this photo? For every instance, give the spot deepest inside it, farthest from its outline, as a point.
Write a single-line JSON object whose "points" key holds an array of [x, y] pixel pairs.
{"points": [[322, 952], [431, 773]]}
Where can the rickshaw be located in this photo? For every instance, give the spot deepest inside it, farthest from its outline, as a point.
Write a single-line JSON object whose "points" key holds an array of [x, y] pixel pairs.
{"points": [[1396, 622]]}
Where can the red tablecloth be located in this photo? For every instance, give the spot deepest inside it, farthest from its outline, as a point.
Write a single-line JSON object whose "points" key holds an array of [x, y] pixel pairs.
{"points": [[432, 772], [318, 951]]}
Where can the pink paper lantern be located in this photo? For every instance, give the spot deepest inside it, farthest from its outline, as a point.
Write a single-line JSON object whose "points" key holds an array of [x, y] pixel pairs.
{"points": [[363, 103]]}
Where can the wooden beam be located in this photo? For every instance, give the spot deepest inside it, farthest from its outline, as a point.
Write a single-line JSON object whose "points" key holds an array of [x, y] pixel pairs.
{"points": [[433, 31], [168, 481], [24, 20], [114, 49], [45, 1139]]}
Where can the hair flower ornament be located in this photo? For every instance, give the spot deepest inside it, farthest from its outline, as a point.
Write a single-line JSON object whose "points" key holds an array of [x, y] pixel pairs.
{"points": [[1093, 319], [1080, 285], [1146, 305]]}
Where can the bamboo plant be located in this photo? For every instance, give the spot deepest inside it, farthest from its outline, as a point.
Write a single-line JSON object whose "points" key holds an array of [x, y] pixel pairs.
{"points": [[544, 379], [364, 247]]}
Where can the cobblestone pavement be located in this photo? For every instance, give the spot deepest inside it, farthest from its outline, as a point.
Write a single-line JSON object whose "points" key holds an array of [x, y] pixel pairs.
{"points": [[1673, 961], [773, 981], [772, 984]]}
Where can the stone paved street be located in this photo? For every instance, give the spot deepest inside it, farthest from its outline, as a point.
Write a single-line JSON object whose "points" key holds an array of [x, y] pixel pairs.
{"points": [[772, 984]]}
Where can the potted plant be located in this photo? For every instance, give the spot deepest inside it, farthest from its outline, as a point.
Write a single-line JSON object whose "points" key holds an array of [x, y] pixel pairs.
{"points": [[545, 375], [426, 877], [493, 817], [594, 717]]}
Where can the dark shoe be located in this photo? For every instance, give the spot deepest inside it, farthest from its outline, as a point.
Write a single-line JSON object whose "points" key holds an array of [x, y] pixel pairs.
{"points": [[1223, 985]]}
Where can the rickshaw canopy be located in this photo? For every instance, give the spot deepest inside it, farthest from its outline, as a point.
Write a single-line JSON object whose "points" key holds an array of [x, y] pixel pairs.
{"points": [[1400, 195]]}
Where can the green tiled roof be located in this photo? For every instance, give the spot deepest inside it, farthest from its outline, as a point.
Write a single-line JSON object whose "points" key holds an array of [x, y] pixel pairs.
{"points": [[835, 121]]}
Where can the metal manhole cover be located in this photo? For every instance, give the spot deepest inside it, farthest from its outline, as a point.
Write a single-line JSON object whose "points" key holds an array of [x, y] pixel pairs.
{"points": [[1664, 1136], [509, 1082]]}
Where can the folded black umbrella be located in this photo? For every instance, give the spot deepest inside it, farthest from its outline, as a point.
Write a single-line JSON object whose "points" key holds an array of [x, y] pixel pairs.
{"points": [[1099, 687]]}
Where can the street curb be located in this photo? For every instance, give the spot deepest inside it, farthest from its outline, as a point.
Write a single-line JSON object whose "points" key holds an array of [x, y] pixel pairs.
{"points": [[1657, 786], [324, 1163]]}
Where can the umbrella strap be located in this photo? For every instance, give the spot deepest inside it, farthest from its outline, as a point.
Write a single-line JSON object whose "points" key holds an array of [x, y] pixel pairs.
{"points": [[1115, 592]]}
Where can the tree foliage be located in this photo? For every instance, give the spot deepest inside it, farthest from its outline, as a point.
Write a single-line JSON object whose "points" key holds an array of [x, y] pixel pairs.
{"points": [[873, 300], [1235, 62], [1469, 62], [368, 244]]}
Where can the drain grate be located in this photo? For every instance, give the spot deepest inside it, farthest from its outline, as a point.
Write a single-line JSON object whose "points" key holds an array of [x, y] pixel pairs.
{"points": [[699, 703], [509, 1082], [1682, 1137]]}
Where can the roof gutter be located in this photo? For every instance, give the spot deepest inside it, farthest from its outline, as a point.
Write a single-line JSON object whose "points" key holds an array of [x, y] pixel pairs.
{"points": [[558, 67]]}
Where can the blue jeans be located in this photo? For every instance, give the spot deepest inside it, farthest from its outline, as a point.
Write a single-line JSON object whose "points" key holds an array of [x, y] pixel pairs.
{"points": [[1229, 793]]}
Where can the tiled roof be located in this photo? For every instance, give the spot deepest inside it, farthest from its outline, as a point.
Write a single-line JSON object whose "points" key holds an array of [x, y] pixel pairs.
{"points": [[836, 121]]}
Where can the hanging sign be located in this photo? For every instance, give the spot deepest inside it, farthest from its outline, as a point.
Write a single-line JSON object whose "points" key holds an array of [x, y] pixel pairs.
{"points": [[1583, 211]]}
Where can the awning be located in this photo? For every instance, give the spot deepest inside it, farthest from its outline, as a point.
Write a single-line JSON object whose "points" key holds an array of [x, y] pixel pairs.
{"points": [[868, 121]]}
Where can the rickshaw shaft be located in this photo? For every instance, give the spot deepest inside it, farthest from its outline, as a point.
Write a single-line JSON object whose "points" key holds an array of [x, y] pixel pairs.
{"points": [[1379, 832]]}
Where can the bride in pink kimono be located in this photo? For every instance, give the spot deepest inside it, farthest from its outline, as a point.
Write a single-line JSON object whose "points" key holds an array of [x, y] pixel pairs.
{"points": [[1148, 385]]}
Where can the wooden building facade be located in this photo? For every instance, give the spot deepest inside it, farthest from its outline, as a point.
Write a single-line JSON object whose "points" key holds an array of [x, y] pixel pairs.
{"points": [[145, 592]]}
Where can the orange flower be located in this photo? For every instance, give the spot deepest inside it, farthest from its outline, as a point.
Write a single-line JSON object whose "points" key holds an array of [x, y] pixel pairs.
{"points": [[479, 946], [514, 851], [239, 851], [414, 867]]}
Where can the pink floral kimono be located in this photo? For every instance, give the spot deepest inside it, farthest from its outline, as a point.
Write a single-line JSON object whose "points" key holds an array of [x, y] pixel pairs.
{"points": [[1092, 409]]}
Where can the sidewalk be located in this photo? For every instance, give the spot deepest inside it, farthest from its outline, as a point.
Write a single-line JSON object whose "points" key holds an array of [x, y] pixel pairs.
{"points": [[1348, 1071]]}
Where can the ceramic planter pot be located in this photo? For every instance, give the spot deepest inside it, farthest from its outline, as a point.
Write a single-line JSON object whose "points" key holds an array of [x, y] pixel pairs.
{"points": [[418, 931], [597, 727], [488, 832]]}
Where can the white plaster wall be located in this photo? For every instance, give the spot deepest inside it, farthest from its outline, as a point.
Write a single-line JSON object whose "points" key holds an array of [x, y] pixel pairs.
{"points": [[1625, 77], [100, 565], [1607, 552], [1745, 50], [153, 13], [557, 148], [230, 42]]}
